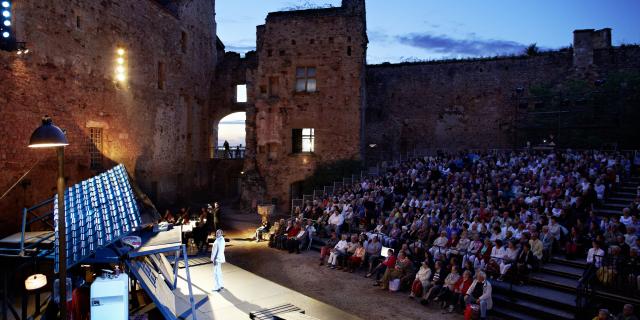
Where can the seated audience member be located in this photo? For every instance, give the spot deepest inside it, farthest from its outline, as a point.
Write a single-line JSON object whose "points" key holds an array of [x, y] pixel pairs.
{"points": [[439, 246], [283, 236], [572, 245], [497, 254], [436, 282], [525, 263], [536, 246], [472, 250], [460, 288], [336, 219], [627, 313], [352, 245], [356, 259], [603, 314], [479, 293], [421, 281], [382, 267], [594, 260], [310, 231], [447, 289], [547, 242], [293, 243], [340, 249], [264, 228], [373, 248], [329, 244], [277, 229], [508, 259], [403, 265]]}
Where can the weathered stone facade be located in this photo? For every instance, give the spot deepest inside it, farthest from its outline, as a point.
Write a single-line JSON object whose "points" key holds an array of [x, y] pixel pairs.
{"points": [[150, 122], [332, 41], [489, 103]]}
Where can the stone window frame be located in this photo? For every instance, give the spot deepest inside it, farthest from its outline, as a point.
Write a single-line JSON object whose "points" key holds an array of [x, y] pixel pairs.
{"points": [[95, 142], [306, 76], [298, 138]]}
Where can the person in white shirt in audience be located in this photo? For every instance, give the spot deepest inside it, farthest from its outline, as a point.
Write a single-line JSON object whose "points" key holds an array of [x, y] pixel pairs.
{"points": [[339, 250]]}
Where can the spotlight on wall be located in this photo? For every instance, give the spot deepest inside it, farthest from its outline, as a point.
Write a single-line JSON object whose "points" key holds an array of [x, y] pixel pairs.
{"points": [[22, 48], [120, 69], [373, 145], [519, 89]]}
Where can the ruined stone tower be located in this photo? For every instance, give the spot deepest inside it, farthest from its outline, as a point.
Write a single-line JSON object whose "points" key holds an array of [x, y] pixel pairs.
{"points": [[309, 94]]}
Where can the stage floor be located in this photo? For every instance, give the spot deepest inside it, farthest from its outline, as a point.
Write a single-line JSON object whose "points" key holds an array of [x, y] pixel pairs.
{"points": [[244, 292]]}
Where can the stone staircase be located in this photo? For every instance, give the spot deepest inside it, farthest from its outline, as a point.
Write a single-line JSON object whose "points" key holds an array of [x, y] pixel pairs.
{"points": [[550, 293], [620, 198]]}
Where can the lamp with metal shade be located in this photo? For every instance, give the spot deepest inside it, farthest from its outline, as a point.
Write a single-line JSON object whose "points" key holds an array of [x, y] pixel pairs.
{"points": [[50, 136]]}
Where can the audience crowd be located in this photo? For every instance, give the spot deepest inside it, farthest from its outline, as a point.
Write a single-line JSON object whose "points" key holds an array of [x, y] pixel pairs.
{"points": [[443, 227]]}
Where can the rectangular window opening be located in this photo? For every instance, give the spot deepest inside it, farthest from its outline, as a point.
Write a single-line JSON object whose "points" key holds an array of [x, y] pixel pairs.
{"points": [[95, 145], [306, 79], [183, 42], [78, 22], [161, 77], [241, 93], [302, 140]]}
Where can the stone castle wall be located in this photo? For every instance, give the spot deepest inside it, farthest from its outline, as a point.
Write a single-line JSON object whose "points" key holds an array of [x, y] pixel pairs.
{"points": [[473, 104], [333, 41], [450, 105], [154, 129]]}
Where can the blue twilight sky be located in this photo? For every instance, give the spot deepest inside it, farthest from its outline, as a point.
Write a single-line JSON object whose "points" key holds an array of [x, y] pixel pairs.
{"points": [[407, 30]]}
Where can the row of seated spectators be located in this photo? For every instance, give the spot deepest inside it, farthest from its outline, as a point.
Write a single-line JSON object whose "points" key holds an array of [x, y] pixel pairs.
{"points": [[459, 216]]}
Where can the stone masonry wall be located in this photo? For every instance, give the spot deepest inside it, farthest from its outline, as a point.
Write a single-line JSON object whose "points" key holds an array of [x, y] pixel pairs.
{"points": [[154, 129], [332, 40], [472, 104]]}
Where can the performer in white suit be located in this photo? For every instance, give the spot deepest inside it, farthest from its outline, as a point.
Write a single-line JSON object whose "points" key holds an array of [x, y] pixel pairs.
{"points": [[217, 257]]}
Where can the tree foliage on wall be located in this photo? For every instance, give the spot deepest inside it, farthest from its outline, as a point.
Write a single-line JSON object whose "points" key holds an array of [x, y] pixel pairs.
{"points": [[589, 114]]}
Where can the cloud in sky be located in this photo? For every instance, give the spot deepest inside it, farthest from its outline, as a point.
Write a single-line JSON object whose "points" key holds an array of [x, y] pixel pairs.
{"points": [[472, 46]]}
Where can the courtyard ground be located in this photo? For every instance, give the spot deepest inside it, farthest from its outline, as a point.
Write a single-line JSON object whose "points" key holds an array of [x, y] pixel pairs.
{"points": [[351, 292]]}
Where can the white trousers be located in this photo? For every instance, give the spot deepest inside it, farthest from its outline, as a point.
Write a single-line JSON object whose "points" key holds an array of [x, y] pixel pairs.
{"points": [[217, 276]]}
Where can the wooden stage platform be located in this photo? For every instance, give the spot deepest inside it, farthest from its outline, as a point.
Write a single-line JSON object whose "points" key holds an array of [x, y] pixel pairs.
{"points": [[243, 293]]}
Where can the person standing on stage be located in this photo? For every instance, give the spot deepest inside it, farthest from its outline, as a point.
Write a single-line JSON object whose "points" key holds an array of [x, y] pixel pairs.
{"points": [[217, 257]]}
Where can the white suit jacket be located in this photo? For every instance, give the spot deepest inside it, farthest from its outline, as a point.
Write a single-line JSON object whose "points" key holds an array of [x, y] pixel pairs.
{"points": [[217, 252]]}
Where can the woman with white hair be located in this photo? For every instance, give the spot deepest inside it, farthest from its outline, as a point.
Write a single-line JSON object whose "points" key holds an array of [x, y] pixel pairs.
{"points": [[217, 257]]}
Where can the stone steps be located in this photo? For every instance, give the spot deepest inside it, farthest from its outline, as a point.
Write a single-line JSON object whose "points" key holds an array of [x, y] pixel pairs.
{"points": [[510, 307]]}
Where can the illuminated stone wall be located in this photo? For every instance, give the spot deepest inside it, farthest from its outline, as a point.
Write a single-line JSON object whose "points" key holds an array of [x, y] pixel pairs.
{"points": [[333, 41], [154, 128]]}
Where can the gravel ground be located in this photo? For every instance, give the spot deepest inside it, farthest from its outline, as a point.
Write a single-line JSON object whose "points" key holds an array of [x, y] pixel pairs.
{"points": [[350, 292]]}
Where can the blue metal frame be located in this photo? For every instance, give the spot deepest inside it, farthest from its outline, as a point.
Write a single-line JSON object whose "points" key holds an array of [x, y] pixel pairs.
{"points": [[99, 211], [178, 249]]}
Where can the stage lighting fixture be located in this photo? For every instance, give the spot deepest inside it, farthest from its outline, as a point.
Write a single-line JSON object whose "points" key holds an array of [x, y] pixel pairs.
{"points": [[120, 69], [7, 38]]}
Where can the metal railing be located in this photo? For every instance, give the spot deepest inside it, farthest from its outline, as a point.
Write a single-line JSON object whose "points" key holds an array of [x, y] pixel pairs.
{"points": [[619, 275], [234, 152], [327, 190]]}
